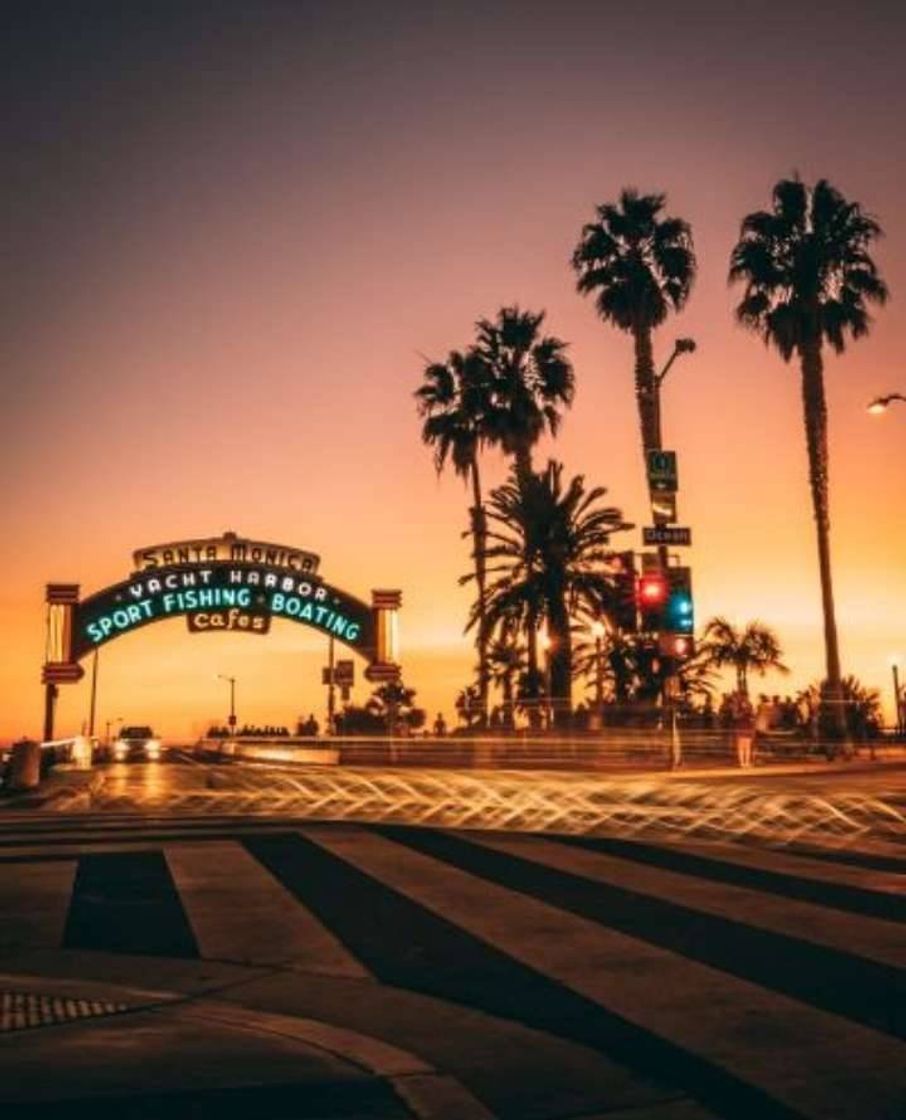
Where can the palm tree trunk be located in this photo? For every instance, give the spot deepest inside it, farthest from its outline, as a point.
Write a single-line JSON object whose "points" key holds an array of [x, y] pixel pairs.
{"points": [[509, 722], [479, 537], [646, 389], [815, 413], [534, 713], [522, 458], [561, 662]]}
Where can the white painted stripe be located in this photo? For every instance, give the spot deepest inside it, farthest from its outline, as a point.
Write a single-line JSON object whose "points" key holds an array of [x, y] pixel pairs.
{"points": [[239, 912], [34, 901], [766, 1039], [873, 938], [786, 863]]}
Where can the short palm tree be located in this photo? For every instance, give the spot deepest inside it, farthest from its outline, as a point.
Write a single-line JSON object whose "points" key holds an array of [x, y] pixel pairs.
{"points": [[506, 660], [861, 707], [454, 402], [808, 277], [753, 648], [532, 381], [641, 266], [549, 552]]}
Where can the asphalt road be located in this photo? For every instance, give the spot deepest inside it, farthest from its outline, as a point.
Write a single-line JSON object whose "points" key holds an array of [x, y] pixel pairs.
{"points": [[188, 965]]}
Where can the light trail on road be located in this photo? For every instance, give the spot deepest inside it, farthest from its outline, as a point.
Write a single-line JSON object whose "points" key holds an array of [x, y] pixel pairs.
{"points": [[524, 802]]}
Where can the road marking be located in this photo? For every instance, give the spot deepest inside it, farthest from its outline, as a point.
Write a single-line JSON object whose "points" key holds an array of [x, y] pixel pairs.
{"points": [[871, 938], [765, 1040], [241, 913]]}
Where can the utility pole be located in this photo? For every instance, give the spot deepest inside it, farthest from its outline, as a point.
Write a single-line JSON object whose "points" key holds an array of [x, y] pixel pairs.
{"points": [[331, 686], [94, 693]]}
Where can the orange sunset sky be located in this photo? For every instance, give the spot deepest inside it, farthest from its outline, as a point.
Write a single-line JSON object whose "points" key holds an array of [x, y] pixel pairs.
{"points": [[232, 232]]}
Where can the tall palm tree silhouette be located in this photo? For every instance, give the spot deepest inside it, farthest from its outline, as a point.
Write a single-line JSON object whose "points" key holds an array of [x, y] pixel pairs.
{"points": [[532, 381], [455, 402], [808, 276], [640, 267]]}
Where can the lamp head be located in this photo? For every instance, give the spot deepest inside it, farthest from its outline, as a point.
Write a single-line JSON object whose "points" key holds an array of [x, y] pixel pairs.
{"points": [[881, 404]]}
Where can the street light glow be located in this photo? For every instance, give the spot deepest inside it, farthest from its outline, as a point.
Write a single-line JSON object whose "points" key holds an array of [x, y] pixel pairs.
{"points": [[881, 404]]}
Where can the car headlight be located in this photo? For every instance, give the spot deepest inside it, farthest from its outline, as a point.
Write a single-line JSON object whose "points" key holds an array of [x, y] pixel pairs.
{"points": [[120, 749], [152, 748]]}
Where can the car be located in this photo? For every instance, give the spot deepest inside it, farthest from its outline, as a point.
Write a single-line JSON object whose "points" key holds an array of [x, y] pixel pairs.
{"points": [[134, 743]]}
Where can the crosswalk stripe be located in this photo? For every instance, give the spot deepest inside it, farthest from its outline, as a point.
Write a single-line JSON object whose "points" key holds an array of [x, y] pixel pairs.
{"points": [[789, 876], [872, 938], [408, 946], [485, 921], [240, 913], [852, 868], [654, 990], [33, 903], [852, 966]]}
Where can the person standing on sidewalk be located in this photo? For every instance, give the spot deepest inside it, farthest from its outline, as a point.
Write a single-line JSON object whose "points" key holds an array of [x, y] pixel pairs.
{"points": [[743, 728], [765, 715]]}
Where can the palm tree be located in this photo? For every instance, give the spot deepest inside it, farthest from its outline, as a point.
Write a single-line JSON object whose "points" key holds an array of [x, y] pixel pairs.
{"points": [[808, 276], [549, 546], [454, 402], [861, 707], [532, 379], [640, 266], [754, 648], [506, 660]]}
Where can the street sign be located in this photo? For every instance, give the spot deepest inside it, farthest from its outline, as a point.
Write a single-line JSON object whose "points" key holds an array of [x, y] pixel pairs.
{"points": [[344, 673], [666, 534], [662, 474], [663, 507]]}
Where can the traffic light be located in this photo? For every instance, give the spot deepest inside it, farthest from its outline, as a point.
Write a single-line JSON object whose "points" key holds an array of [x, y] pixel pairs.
{"points": [[651, 597], [679, 615], [678, 647], [623, 606]]}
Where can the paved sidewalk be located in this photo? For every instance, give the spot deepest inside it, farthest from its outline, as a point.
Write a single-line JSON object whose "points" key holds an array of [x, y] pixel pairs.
{"points": [[74, 1047]]}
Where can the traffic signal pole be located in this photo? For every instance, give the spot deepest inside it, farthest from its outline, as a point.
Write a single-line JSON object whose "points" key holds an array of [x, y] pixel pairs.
{"points": [[665, 487]]}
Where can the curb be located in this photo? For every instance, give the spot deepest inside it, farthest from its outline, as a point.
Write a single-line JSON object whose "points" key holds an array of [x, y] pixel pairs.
{"points": [[430, 1094], [427, 1092]]}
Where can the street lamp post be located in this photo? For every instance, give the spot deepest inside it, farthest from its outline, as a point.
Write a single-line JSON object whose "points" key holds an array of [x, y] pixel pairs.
{"points": [[109, 722], [881, 404], [232, 720], [680, 346], [897, 696], [94, 694]]}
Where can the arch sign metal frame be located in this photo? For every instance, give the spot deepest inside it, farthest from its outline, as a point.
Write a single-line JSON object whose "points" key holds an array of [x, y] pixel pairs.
{"points": [[219, 584]]}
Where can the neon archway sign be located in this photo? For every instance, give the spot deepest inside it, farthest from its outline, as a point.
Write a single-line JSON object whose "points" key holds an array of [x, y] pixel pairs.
{"points": [[219, 584]]}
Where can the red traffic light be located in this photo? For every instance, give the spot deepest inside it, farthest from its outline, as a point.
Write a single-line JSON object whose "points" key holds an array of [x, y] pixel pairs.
{"points": [[652, 589]]}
